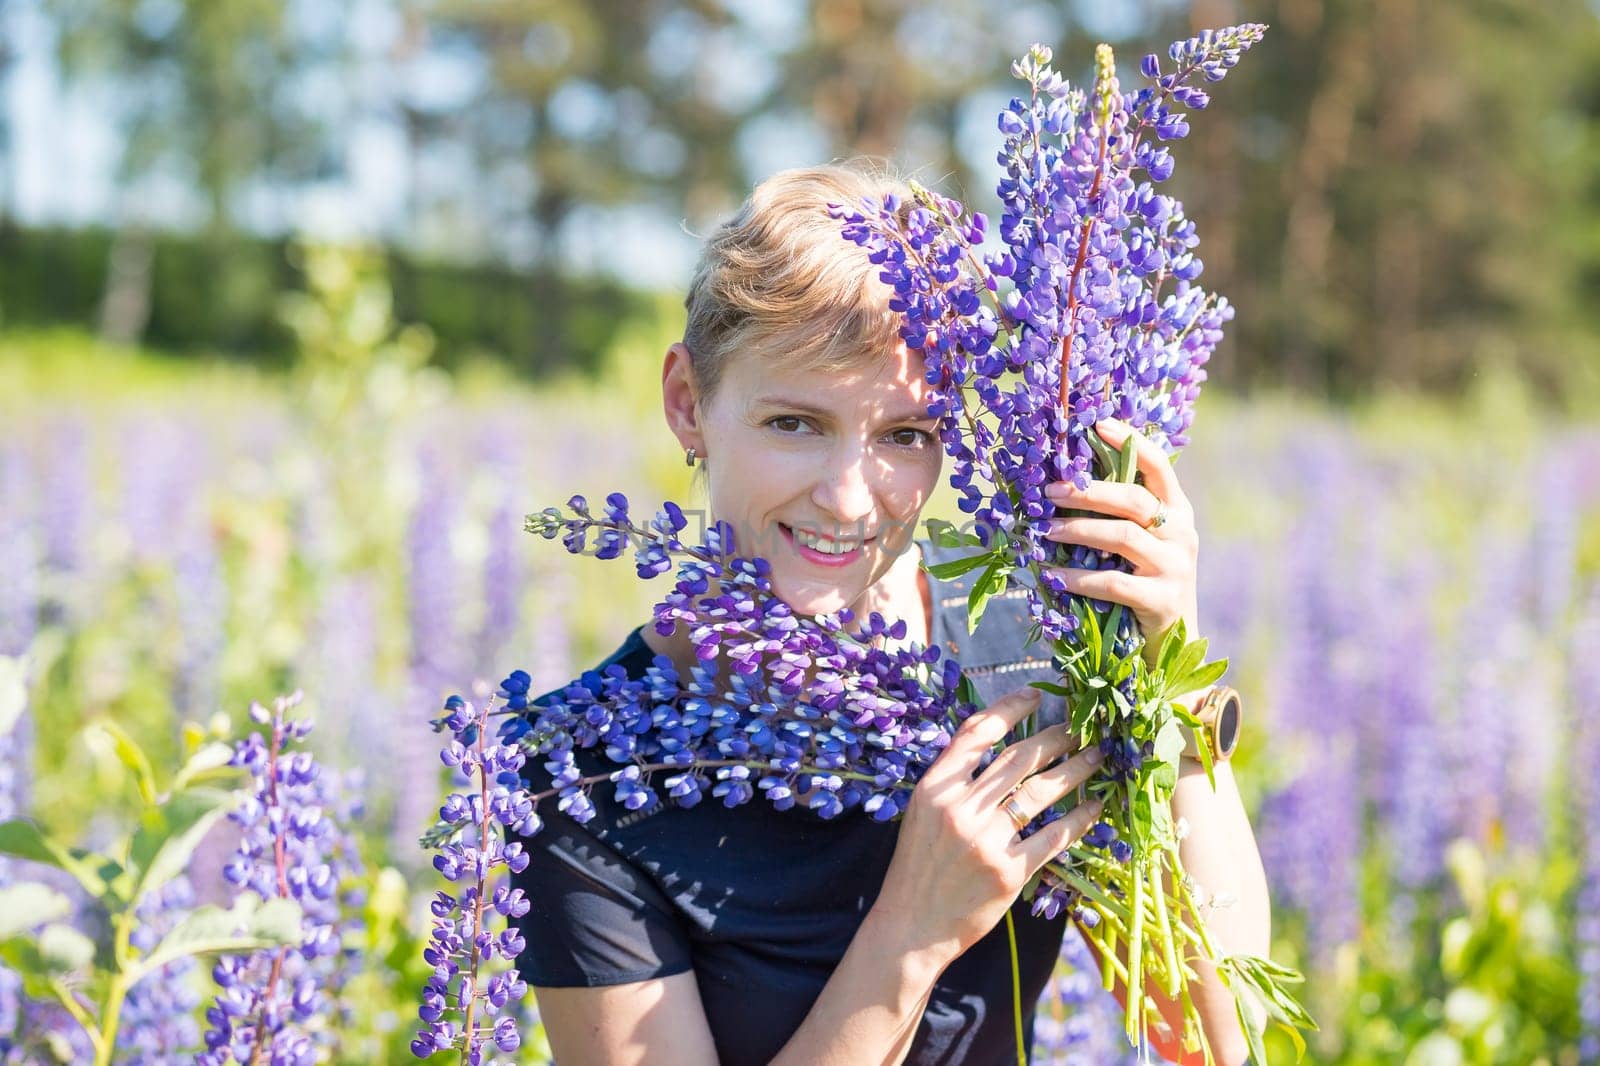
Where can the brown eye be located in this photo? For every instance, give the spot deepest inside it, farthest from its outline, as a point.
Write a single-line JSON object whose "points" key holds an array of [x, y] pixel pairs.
{"points": [[911, 438], [786, 423]]}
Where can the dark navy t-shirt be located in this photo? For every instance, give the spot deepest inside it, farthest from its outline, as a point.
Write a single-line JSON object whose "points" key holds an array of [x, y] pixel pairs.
{"points": [[761, 904]]}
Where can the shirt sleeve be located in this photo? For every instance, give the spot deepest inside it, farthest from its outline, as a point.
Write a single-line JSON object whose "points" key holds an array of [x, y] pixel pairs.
{"points": [[594, 918]]}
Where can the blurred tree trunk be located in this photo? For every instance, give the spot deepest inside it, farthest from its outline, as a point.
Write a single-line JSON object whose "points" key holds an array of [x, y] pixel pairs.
{"points": [[125, 301]]}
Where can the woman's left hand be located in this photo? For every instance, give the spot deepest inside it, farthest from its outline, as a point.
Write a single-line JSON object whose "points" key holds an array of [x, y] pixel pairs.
{"points": [[1161, 589]]}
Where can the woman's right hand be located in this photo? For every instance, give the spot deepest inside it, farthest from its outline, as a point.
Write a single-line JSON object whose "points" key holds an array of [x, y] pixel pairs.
{"points": [[959, 862]]}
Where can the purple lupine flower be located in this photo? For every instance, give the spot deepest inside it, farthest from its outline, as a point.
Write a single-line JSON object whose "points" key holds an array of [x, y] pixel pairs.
{"points": [[19, 553], [158, 487], [503, 566], [1584, 775], [66, 515], [1417, 831], [44, 1027], [432, 579], [10, 1010], [437, 652], [461, 1002], [157, 1026], [780, 706], [550, 654], [342, 795], [1554, 548], [269, 999], [202, 610], [1493, 645], [19, 614], [1086, 331]]}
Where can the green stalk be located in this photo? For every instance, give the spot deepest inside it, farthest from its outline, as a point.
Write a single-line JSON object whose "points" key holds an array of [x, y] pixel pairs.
{"points": [[102, 1049], [117, 991], [1016, 987], [1174, 978], [1135, 1014], [110, 1018]]}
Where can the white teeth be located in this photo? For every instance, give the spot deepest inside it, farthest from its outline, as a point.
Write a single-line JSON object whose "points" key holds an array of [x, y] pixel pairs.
{"points": [[827, 547]]}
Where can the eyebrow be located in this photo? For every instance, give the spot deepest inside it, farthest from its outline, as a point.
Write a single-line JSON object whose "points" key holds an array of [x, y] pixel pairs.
{"points": [[920, 414]]}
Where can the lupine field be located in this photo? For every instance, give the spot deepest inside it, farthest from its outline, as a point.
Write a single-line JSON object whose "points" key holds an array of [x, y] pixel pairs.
{"points": [[1409, 596]]}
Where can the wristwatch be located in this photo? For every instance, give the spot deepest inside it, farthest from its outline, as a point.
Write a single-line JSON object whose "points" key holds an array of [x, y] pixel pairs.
{"points": [[1219, 712]]}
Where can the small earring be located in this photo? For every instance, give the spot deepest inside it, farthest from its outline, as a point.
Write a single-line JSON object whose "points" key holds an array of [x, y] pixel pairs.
{"points": [[688, 456]]}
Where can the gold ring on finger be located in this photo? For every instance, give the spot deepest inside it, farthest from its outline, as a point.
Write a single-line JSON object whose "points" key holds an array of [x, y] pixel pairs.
{"points": [[1014, 812], [1160, 518]]}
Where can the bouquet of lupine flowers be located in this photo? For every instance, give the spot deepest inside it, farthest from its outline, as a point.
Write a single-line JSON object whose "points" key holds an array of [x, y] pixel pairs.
{"points": [[838, 713], [1089, 311]]}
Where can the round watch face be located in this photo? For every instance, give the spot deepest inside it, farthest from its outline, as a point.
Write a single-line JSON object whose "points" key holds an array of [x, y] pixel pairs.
{"points": [[1227, 728]]}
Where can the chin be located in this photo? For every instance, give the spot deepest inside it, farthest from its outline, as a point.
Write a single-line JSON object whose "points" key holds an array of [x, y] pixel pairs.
{"points": [[810, 596]]}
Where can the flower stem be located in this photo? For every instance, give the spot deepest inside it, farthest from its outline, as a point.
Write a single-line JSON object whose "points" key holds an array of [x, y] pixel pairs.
{"points": [[1016, 987], [471, 1004], [280, 861]]}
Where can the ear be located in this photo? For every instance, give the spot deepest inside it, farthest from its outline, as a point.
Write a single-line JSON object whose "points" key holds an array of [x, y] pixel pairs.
{"points": [[680, 398]]}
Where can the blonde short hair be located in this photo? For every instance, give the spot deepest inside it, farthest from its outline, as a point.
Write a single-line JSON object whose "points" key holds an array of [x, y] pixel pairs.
{"points": [[779, 278]]}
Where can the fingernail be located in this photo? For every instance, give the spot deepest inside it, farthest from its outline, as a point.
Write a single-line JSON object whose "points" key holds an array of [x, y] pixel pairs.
{"points": [[1094, 755]]}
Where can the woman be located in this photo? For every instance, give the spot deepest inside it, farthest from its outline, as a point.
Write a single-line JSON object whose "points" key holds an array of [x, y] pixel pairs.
{"points": [[752, 935]]}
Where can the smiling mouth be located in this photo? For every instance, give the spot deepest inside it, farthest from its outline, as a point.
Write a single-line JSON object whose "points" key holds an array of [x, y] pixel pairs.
{"points": [[822, 549]]}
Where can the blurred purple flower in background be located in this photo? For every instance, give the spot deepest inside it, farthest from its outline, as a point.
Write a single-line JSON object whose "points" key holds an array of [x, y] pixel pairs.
{"points": [[202, 614], [160, 477], [437, 645], [1583, 724], [158, 1026]]}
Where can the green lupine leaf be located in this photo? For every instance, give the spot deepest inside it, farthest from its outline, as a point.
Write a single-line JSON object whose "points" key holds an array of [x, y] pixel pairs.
{"points": [[1252, 1020], [28, 904], [1054, 690], [1191, 656], [168, 835], [1128, 459], [967, 692], [1209, 674], [990, 584], [946, 535], [1170, 742], [1171, 644], [24, 840], [62, 949], [1110, 459], [1089, 632], [956, 567], [249, 926], [209, 761], [129, 754]]}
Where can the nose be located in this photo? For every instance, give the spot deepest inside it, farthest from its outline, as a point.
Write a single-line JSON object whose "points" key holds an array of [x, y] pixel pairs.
{"points": [[844, 490]]}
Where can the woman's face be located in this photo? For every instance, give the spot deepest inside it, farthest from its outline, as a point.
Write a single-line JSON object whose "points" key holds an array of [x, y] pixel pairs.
{"points": [[821, 473]]}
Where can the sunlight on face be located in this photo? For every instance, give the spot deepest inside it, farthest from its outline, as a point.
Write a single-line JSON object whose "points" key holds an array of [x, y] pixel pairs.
{"points": [[822, 473]]}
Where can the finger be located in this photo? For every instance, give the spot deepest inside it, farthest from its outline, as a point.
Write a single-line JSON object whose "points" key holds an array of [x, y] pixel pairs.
{"points": [[1018, 760], [1139, 546], [983, 731], [1045, 787], [1061, 834], [1153, 462], [1113, 586], [1118, 499]]}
